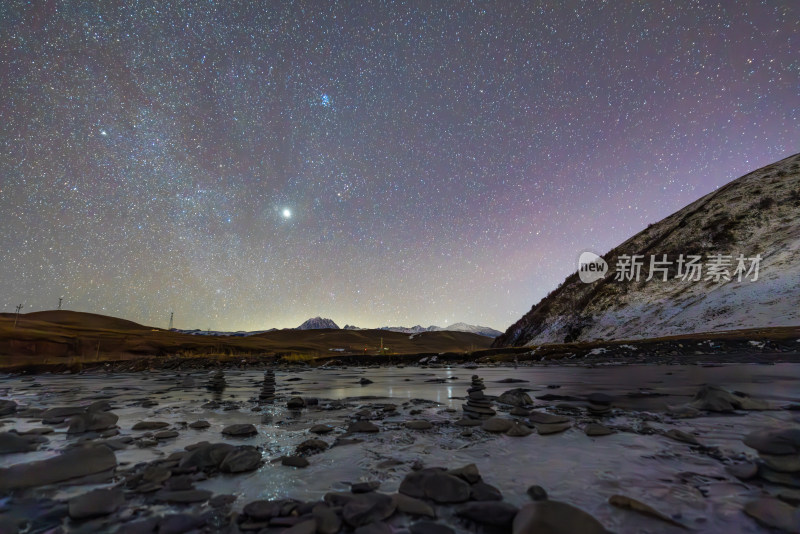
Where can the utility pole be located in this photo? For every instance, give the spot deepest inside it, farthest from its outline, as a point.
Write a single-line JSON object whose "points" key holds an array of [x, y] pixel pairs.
{"points": [[171, 314], [16, 318], [59, 302]]}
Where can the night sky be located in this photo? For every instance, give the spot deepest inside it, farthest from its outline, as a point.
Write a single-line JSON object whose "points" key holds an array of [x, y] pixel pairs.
{"points": [[378, 164]]}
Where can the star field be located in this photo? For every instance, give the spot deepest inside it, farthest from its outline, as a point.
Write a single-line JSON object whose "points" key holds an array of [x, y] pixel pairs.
{"points": [[250, 166]]}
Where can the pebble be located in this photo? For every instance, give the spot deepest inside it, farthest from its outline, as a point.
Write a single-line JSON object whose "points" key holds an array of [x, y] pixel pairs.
{"points": [[294, 461], [497, 424], [411, 506], [362, 426], [240, 430], [518, 431], [418, 425], [73, 463], [240, 460], [773, 513], [546, 418], [435, 484], [149, 425], [493, 513], [429, 527], [555, 517], [596, 429], [199, 425], [552, 428], [95, 503], [537, 493], [367, 508]]}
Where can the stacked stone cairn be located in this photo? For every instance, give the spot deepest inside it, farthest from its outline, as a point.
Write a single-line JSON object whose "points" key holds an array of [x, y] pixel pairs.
{"points": [[217, 382], [477, 406], [268, 388]]}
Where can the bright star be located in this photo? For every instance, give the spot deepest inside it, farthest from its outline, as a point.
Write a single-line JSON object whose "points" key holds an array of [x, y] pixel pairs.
{"points": [[287, 213]]}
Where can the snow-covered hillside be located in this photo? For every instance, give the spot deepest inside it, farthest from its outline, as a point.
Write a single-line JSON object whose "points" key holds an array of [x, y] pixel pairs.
{"points": [[755, 215]]}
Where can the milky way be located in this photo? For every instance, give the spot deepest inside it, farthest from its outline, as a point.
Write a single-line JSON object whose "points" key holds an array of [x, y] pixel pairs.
{"points": [[380, 164]]}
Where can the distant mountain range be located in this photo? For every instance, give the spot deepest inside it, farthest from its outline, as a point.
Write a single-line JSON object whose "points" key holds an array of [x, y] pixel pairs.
{"points": [[318, 323], [455, 327], [756, 216]]}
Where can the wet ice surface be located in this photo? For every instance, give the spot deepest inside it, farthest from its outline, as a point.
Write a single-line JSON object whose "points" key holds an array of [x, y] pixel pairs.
{"points": [[680, 481]]}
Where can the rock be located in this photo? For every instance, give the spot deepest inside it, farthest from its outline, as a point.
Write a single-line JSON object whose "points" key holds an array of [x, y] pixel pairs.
{"points": [[11, 442], [679, 435], [595, 429], [199, 425], [183, 496], [95, 503], [411, 506], [469, 473], [150, 425], [537, 493], [328, 522], [520, 412], [435, 484], [778, 477], [311, 446], [7, 407], [205, 455], [778, 442], [362, 426], [364, 381], [166, 434], [320, 429], [365, 487], [621, 501], [368, 508], [143, 526], [497, 424], [468, 422], [599, 399], [716, 399], [743, 471], [309, 526], [515, 397], [240, 460], [773, 513], [542, 418], [54, 416], [418, 425], [179, 523], [481, 491], [518, 431], [786, 463], [429, 527], [499, 514], [296, 403], [555, 517], [240, 430], [779, 448], [294, 461], [552, 429], [73, 463], [266, 510], [156, 474], [378, 527]]}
